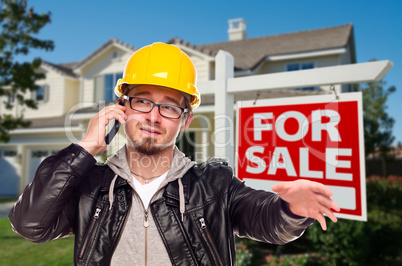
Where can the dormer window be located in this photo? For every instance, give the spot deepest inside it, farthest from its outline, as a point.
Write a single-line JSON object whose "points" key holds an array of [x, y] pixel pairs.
{"points": [[301, 66], [41, 95], [115, 55]]}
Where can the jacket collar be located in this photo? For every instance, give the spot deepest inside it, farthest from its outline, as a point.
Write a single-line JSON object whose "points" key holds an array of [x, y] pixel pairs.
{"points": [[172, 189], [107, 179]]}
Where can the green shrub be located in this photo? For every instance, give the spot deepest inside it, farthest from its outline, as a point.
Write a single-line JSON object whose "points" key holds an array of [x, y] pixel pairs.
{"points": [[243, 254], [376, 241], [347, 242]]}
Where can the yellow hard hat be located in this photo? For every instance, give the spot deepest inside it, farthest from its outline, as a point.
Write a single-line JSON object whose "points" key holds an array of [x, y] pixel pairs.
{"points": [[163, 65]]}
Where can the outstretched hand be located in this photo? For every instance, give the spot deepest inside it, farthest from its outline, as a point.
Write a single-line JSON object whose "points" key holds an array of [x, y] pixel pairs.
{"points": [[308, 199]]}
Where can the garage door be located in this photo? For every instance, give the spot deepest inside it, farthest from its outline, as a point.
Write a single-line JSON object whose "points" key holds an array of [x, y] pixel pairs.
{"points": [[9, 179]]}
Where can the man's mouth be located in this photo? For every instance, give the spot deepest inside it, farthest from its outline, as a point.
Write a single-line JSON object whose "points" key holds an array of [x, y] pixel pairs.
{"points": [[151, 131]]}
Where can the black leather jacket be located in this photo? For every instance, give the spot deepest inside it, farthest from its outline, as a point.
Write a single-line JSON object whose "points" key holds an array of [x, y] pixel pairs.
{"points": [[69, 194]]}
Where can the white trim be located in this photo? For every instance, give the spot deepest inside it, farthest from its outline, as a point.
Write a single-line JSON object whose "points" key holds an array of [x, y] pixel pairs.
{"points": [[101, 53], [195, 52], [305, 54], [43, 130], [126, 49], [29, 144], [83, 116]]}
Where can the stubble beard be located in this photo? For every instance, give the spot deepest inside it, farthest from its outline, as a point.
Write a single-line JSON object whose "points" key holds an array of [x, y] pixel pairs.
{"points": [[148, 147]]}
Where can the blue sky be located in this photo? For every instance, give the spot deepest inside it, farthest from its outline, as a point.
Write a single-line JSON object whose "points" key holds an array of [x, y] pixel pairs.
{"points": [[79, 27]]}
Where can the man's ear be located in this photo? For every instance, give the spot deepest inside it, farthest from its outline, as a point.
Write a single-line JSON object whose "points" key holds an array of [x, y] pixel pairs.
{"points": [[187, 122]]}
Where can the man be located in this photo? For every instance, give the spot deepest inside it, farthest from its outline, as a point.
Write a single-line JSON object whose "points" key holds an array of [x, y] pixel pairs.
{"points": [[149, 204]]}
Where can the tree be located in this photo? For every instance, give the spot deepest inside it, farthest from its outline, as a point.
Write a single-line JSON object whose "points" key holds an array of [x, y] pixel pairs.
{"points": [[19, 27], [378, 124]]}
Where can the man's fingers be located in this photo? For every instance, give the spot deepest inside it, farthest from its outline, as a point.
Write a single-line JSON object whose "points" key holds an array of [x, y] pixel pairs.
{"points": [[322, 189], [328, 202], [321, 219], [329, 213], [119, 117], [335, 206], [113, 112], [280, 187], [277, 187]]}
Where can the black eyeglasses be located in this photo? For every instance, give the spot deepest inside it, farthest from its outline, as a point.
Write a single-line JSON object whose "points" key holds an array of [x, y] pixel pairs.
{"points": [[145, 106]]}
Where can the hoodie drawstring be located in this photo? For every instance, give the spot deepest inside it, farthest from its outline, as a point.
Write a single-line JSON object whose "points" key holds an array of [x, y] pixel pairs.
{"points": [[182, 201], [111, 188], [181, 196]]}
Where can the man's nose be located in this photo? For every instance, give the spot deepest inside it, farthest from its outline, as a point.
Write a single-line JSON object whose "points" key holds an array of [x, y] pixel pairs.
{"points": [[154, 116]]}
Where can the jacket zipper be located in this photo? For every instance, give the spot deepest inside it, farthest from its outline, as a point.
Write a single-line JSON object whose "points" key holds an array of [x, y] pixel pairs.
{"points": [[205, 228], [146, 224], [91, 227]]}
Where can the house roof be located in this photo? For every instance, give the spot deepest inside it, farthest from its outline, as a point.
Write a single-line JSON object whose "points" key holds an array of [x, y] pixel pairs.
{"points": [[101, 49], [63, 69], [248, 53]]}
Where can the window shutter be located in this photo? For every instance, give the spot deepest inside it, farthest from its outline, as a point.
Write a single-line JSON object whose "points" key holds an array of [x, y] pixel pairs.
{"points": [[46, 93], [99, 85]]}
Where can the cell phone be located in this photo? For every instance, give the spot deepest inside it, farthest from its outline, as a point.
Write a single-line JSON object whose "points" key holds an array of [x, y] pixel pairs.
{"points": [[109, 136]]}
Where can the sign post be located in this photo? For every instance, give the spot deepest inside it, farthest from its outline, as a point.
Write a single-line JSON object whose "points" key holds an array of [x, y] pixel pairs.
{"points": [[318, 138]]}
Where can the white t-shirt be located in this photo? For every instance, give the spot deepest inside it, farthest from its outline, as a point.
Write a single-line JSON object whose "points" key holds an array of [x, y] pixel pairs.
{"points": [[147, 191]]}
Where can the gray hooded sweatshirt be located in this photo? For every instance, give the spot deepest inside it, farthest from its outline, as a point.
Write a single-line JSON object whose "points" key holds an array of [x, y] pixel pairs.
{"points": [[140, 242]]}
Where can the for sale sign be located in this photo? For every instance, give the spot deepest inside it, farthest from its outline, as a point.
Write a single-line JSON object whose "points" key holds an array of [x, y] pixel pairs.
{"points": [[318, 138]]}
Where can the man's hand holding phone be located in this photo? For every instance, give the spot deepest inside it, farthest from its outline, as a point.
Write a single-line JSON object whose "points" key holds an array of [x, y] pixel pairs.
{"points": [[94, 139]]}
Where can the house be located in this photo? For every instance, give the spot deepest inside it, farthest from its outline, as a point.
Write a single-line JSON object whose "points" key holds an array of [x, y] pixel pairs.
{"points": [[72, 93]]}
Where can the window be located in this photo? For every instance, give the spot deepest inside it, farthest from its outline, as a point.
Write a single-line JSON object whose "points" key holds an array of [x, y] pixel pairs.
{"points": [[41, 95], [301, 66], [9, 153], [104, 87], [11, 99]]}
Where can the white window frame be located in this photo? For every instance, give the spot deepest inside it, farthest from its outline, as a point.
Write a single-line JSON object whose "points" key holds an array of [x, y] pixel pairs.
{"points": [[99, 86], [115, 56], [300, 63], [45, 94], [11, 99]]}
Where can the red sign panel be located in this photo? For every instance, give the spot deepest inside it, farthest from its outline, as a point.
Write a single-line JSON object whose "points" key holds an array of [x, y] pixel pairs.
{"points": [[316, 138]]}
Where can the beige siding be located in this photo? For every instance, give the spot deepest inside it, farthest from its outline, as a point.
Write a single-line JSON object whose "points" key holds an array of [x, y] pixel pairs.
{"points": [[202, 67], [346, 58], [53, 106], [71, 92], [280, 66]]}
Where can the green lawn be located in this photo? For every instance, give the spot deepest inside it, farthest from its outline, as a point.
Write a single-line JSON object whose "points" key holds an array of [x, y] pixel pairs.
{"points": [[14, 250]]}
